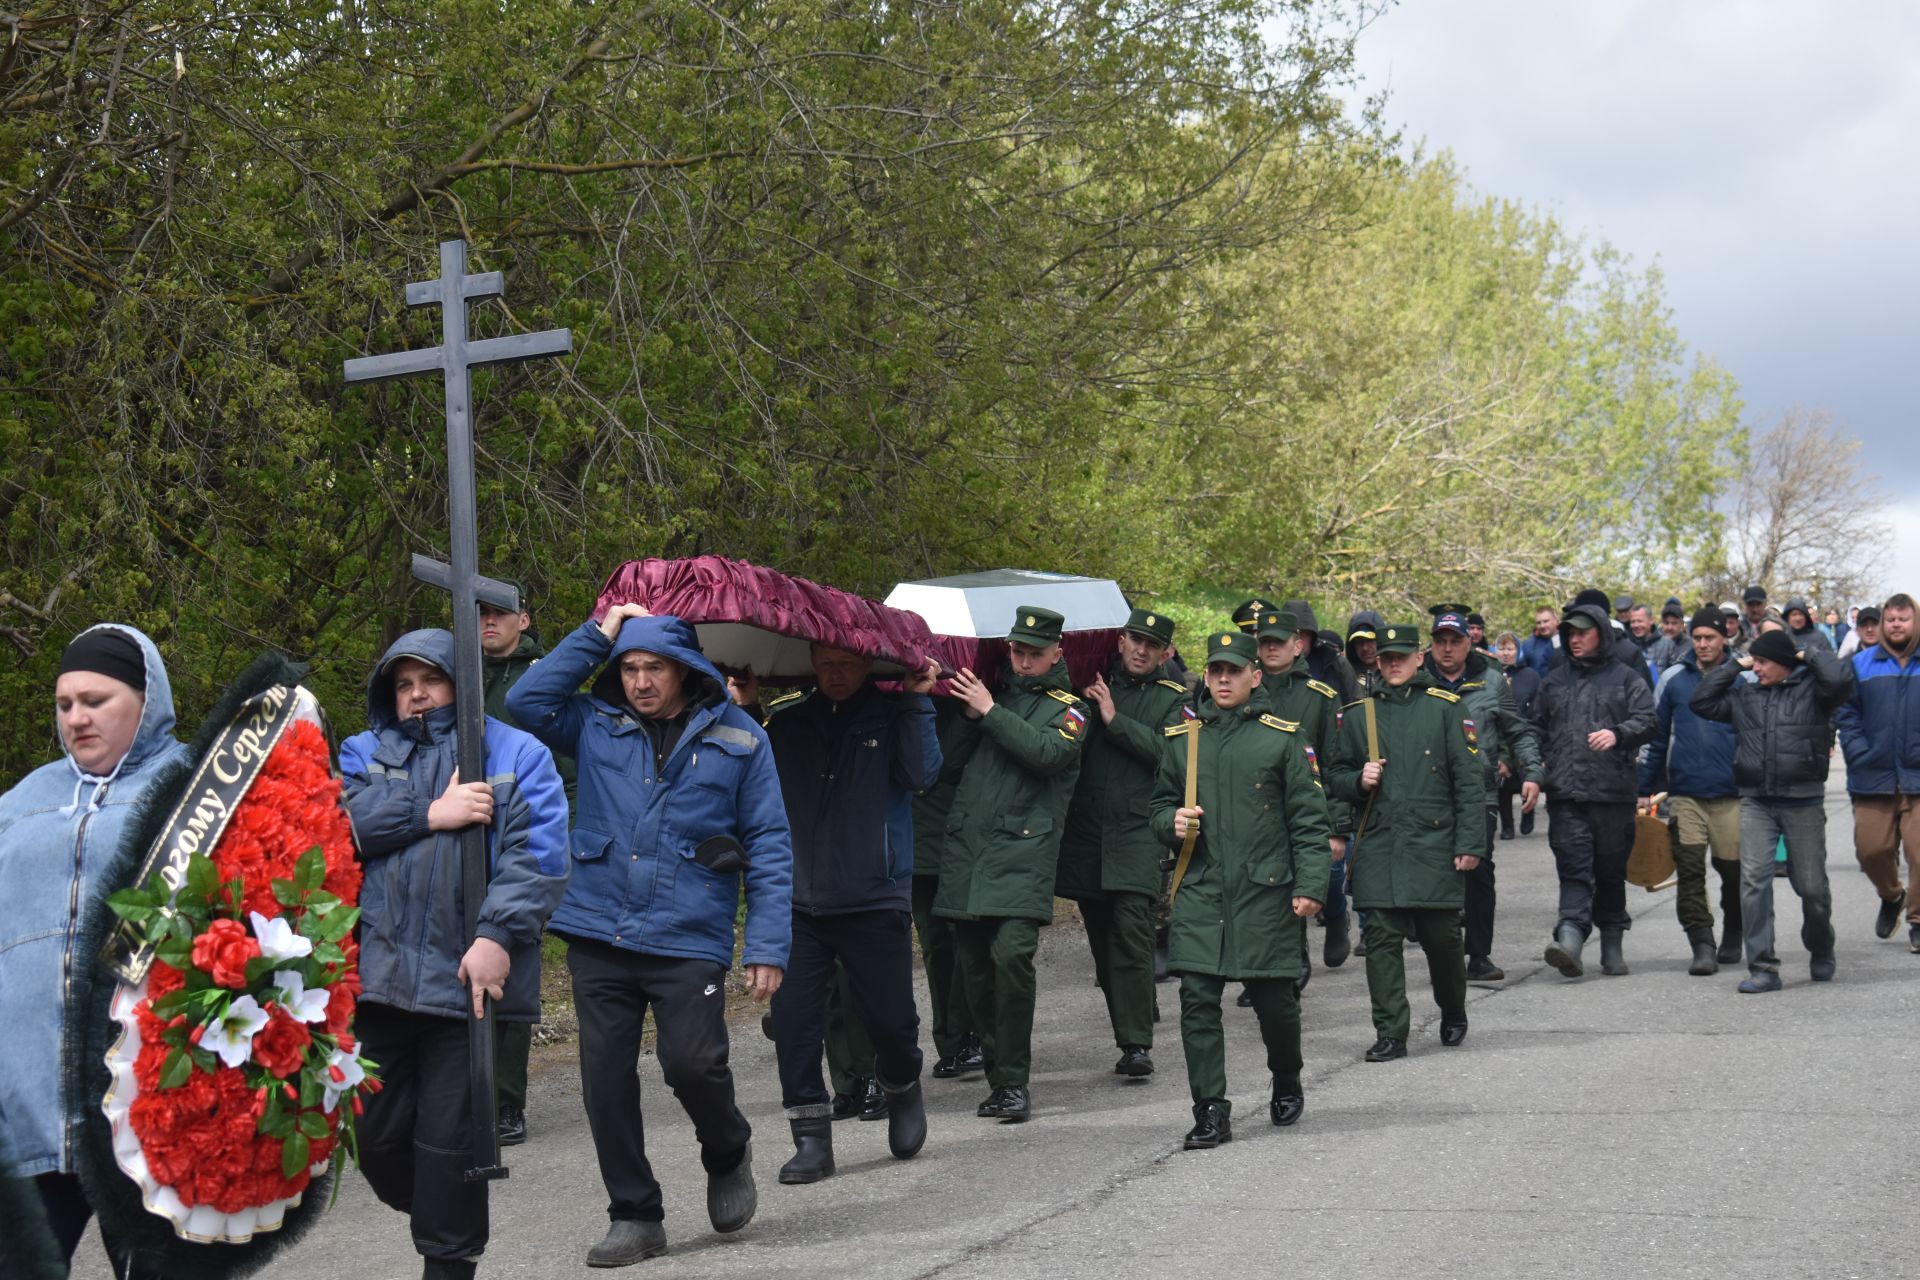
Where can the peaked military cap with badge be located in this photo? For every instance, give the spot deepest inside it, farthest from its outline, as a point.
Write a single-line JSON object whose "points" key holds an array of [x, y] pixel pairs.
{"points": [[1246, 614], [1235, 647], [1401, 637], [1153, 626], [1276, 624], [1036, 626]]}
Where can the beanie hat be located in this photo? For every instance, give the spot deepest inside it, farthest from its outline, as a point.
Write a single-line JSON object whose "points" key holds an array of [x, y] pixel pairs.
{"points": [[1776, 646], [1711, 619], [107, 652]]}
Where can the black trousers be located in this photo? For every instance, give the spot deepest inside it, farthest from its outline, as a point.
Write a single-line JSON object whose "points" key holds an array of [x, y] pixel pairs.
{"points": [[1590, 843], [612, 991], [68, 1212], [1480, 899], [876, 950], [416, 1135]]}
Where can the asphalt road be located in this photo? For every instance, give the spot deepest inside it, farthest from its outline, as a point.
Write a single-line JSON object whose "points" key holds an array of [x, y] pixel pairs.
{"points": [[1649, 1125]]}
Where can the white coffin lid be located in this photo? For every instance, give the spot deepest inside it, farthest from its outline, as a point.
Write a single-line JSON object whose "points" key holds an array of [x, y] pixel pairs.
{"points": [[982, 604]]}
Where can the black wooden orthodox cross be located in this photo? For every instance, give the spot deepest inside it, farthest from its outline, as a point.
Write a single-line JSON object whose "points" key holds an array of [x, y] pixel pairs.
{"points": [[454, 358]]}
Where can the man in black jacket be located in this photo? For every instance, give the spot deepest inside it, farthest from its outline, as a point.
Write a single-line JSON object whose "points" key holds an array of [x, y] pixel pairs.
{"points": [[1783, 733], [850, 758], [1595, 713]]}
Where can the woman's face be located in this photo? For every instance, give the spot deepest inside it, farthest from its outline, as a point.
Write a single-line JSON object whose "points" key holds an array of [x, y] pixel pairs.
{"points": [[98, 717]]}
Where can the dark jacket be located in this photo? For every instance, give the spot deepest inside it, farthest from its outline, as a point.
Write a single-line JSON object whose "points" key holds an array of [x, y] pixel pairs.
{"points": [[1688, 755], [1581, 696], [499, 675], [1493, 712], [1538, 654], [412, 904], [640, 819], [848, 771], [1813, 637], [1107, 847], [1525, 683], [1326, 659], [1784, 732], [1880, 724], [931, 807]]}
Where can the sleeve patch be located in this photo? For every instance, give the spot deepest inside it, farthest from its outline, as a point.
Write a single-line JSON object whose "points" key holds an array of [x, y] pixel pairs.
{"points": [[1473, 736], [1313, 759], [1073, 724]]}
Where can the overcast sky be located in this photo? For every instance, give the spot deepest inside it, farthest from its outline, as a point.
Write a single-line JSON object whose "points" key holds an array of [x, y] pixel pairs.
{"points": [[1764, 154]]}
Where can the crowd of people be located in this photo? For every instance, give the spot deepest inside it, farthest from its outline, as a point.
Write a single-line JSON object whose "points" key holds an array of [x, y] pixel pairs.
{"points": [[1199, 820]]}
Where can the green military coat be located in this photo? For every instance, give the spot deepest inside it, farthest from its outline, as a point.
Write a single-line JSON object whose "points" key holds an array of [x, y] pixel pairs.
{"points": [[1502, 730], [1108, 847], [1263, 842], [1018, 765], [497, 675], [1312, 704], [1430, 807]]}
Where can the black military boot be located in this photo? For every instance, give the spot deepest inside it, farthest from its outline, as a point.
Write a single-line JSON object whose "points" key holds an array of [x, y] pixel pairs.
{"points": [[1134, 1061], [1339, 942], [906, 1121], [971, 1057], [1705, 963], [1288, 1103], [1563, 953], [1613, 954], [1210, 1127], [513, 1126], [813, 1151], [448, 1268], [873, 1103]]}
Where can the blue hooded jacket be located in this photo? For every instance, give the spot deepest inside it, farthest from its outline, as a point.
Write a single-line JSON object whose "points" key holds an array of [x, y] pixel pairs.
{"points": [[58, 829], [1880, 724], [1689, 755], [636, 883], [412, 905]]}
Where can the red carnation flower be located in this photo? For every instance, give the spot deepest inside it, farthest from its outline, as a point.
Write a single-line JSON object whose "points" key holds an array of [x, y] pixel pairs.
{"points": [[222, 953], [281, 1045]]}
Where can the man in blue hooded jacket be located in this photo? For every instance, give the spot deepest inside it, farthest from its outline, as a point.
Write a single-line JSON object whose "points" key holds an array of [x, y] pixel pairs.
{"points": [[59, 828], [677, 802], [419, 974]]}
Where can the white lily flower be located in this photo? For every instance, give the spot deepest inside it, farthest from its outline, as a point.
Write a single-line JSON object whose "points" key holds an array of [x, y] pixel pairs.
{"points": [[277, 939], [350, 1077], [232, 1036], [300, 1003]]}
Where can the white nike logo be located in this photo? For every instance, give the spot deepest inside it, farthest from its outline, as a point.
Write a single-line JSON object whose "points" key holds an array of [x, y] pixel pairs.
{"points": [[711, 988]]}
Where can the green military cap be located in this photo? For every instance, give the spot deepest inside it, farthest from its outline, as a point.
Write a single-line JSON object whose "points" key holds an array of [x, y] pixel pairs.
{"points": [[1277, 623], [1154, 626], [1400, 638], [1435, 610], [1036, 626], [1245, 613], [1236, 647]]}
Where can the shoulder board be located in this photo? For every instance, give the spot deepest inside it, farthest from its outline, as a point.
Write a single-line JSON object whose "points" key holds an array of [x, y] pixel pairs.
{"points": [[1325, 690], [785, 698], [1275, 722], [1442, 693], [1474, 684], [1174, 685], [1176, 730], [1063, 696]]}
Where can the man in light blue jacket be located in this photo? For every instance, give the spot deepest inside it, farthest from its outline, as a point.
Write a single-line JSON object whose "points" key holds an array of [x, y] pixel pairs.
{"points": [[59, 828], [678, 803]]}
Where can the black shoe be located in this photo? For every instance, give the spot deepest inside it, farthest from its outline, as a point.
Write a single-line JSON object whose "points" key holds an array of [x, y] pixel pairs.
{"points": [[448, 1268], [873, 1102], [732, 1197], [906, 1122], [1286, 1108], [1526, 824], [1385, 1049], [1506, 833], [766, 1025], [1913, 938], [1481, 969], [1339, 943], [512, 1126], [1730, 944], [1705, 963], [1015, 1105], [812, 1154], [1821, 970], [1563, 953], [1889, 918], [971, 1057], [845, 1106], [1210, 1128], [1134, 1061], [1246, 999], [995, 1106], [628, 1241], [946, 1068], [1453, 1031], [1613, 954], [1360, 947]]}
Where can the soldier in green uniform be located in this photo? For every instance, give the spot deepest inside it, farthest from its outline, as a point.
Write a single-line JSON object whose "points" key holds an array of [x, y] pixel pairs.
{"points": [[1019, 757], [1109, 859], [1257, 868], [1409, 763], [955, 1040]]}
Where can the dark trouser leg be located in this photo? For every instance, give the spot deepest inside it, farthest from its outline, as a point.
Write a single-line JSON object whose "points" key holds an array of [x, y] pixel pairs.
{"points": [[950, 1024], [1278, 1011], [1729, 873], [67, 1210], [1480, 899], [512, 1046], [1509, 790], [849, 1050], [690, 1021], [1202, 1039], [610, 1000], [1011, 947], [1335, 907], [1130, 968], [973, 951], [1612, 845], [1097, 915], [1805, 827], [1571, 837], [1759, 833], [1440, 938], [876, 951], [63, 1200], [1690, 894], [1387, 929], [385, 1132], [799, 1021], [415, 1149]]}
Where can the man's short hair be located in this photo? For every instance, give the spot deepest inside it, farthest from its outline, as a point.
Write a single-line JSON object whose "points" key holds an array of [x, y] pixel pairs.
{"points": [[1898, 600]]}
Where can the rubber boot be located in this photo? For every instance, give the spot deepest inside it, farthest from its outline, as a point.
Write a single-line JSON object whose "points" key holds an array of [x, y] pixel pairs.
{"points": [[906, 1121], [813, 1151], [1563, 953], [1339, 944], [1705, 963], [1613, 956]]}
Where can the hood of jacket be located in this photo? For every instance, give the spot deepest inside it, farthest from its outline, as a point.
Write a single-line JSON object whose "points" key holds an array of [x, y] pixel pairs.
{"points": [[431, 645], [1602, 623], [670, 638], [1302, 614], [155, 732]]}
